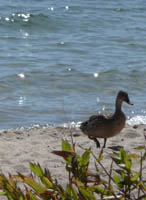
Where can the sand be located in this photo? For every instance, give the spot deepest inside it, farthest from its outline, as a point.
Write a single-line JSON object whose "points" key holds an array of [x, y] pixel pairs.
{"points": [[19, 147]]}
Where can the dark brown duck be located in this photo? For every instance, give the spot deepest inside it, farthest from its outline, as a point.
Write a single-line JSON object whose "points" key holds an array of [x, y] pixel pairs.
{"points": [[100, 126]]}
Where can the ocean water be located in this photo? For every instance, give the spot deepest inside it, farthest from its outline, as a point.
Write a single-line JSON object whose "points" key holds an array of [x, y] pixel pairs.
{"points": [[61, 61]]}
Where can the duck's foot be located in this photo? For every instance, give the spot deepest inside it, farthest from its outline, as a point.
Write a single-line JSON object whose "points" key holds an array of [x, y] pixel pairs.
{"points": [[97, 143], [95, 140]]}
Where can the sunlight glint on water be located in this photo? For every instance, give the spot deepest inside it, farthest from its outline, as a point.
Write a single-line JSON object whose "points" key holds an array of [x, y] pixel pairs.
{"points": [[62, 61]]}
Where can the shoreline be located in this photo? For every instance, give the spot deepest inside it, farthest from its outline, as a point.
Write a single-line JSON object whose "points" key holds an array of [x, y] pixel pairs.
{"points": [[19, 147]]}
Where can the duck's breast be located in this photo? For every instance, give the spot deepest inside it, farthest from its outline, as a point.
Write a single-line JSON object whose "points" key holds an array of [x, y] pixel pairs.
{"points": [[118, 123]]}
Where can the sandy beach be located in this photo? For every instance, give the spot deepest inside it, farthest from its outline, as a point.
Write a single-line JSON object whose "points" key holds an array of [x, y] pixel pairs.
{"points": [[19, 147]]}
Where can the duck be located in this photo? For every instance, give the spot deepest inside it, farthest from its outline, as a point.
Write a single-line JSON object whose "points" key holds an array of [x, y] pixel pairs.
{"points": [[101, 126]]}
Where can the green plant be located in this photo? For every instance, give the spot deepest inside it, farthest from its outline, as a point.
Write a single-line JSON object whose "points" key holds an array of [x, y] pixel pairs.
{"points": [[122, 182]]}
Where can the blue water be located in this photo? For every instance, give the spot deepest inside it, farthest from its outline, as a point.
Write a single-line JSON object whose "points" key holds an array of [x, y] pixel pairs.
{"points": [[61, 61]]}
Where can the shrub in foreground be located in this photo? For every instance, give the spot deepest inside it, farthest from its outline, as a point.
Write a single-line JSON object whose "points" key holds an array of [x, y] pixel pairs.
{"points": [[121, 182]]}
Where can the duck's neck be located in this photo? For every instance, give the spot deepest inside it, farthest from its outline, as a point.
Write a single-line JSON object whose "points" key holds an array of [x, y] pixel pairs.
{"points": [[118, 105]]}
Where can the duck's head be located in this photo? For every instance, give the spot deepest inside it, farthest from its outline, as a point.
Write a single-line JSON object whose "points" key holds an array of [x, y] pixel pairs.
{"points": [[123, 96]]}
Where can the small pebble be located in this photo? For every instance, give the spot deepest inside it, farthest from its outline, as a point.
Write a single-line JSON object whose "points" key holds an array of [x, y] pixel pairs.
{"points": [[5, 131], [76, 134], [17, 132], [135, 126]]}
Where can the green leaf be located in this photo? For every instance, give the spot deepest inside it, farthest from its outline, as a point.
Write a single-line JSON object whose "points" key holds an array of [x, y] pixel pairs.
{"points": [[46, 182], [86, 194], [116, 179], [21, 198], [77, 182], [143, 157], [140, 147], [99, 190], [34, 185], [74, 194], [134, 155], [128, 164], [9, 187], [66, 155], [100, 158], [85, 157], [36, 169], [134, 178], [120, 172], [2, 193], [31, 196], [116, 160], [96, 167], [126, 180], [84, 191], [122, 155], [66, 146], [68, 191]]}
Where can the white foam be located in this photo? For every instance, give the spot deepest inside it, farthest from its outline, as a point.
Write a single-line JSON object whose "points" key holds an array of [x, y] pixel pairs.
{"points": [[51, 8], [21, 75], [72, 125], [7, 19], [139, 119]]}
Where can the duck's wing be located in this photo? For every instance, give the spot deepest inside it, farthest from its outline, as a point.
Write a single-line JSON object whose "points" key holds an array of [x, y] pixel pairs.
{"points": [[92, 121], [97, 118]]}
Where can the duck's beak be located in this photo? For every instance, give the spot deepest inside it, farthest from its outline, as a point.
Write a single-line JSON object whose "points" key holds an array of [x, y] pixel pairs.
{"points": [[129, 102]]}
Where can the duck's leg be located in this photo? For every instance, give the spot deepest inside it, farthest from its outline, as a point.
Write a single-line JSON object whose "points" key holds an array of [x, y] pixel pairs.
{"points": [[97, 143], [105, 139], [95, 140]]}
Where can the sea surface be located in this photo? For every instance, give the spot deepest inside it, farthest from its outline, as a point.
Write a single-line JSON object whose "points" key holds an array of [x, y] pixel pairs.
{"points": [[62, 61]]}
